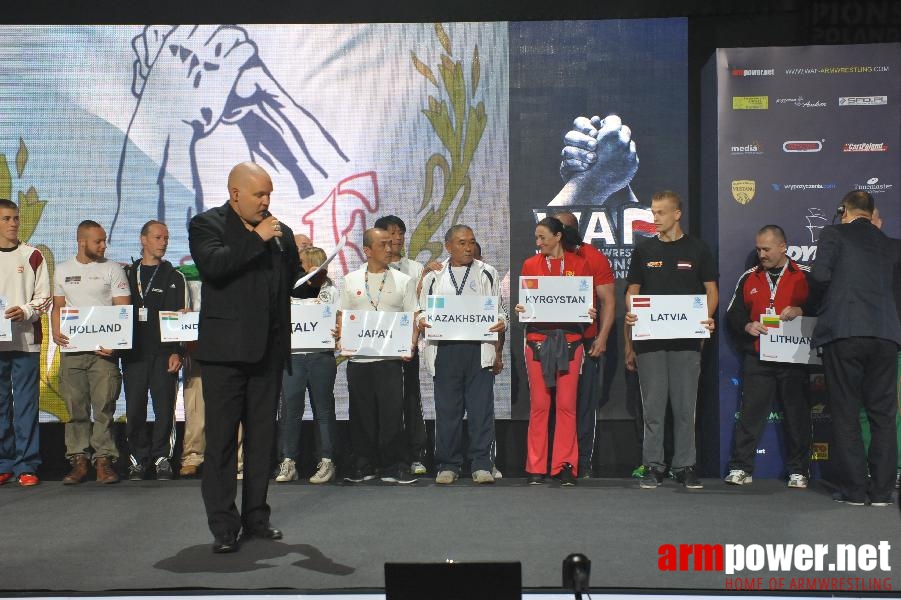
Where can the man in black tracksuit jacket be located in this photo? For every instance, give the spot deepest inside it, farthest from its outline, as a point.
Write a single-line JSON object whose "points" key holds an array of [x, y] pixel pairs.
{"points": [[152, 365]]}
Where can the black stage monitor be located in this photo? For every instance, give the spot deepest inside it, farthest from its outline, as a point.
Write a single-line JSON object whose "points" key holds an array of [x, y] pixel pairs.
{"points": [[453, 581]]}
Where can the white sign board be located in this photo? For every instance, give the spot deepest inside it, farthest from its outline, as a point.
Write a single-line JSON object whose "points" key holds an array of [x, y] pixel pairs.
{"points": [[93, 327], [461, 317], [788, 341], [311, 326], [6, 326], [664, 317], [369, 333], [178, 327], [555, 299]]}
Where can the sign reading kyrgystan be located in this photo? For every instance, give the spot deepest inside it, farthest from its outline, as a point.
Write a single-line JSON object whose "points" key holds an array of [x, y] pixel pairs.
{"points": [[662, 317], [311, 326], [461, 317], [178, 327], [93, 327], [555, 299], [788, 341], [369, 333]]}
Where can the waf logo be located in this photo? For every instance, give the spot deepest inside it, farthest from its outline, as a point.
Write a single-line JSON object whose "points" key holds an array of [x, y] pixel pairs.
{"points": [[529, 283]]}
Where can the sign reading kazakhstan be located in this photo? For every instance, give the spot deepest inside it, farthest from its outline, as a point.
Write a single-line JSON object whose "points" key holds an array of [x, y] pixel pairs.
{"points": [[93, 327], [555, 299], [461, 318], [369, 333], [311, 326], [178, 327], [663, 317], [788, 341]]}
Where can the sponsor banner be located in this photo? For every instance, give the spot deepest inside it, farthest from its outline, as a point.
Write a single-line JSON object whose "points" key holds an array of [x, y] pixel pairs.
{"points": [[555, 299], [93, 327], [802, 146], [788, 341], [369, 333], [6, 327], [461, 317], [863, 100], [178, 327], [865, 147], [669, 317], [311, 326], [750, 102]]}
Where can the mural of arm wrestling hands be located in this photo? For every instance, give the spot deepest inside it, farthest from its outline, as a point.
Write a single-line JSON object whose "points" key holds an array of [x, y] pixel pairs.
{"points": [[599, 159], [189, 80]]}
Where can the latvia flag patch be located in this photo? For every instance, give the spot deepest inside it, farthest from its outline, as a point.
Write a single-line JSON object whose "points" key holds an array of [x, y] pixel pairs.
{"points": [[641, 302], [683, 264]]}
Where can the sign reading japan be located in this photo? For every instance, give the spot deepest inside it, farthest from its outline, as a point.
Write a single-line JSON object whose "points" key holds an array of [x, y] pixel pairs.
{"points": [[555, 299], [369, 333], [93, 327], [311, 326], [663, 317], [788, 341], [177, 326], [461, 317]]}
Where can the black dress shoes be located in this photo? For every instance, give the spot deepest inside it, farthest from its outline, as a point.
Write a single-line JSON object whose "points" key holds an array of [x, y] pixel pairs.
{"points": [[225, 544], [264, 533]]}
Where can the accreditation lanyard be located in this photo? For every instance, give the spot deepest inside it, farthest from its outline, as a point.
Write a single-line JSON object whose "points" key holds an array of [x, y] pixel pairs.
{"points": [[458, 289], [141, 291], [547, 260], [375, 304], [773, 287]]}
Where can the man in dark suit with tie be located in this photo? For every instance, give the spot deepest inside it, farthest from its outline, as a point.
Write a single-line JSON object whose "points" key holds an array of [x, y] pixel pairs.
{"points": [[859, 333], [248, 262]]}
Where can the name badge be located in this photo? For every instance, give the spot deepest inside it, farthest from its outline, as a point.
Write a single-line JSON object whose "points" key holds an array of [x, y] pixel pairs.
{"points": [[142, 315]]}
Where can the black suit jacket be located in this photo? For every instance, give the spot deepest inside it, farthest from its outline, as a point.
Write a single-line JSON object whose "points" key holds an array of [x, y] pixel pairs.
{"points": [[857, 262], [240, 273]]}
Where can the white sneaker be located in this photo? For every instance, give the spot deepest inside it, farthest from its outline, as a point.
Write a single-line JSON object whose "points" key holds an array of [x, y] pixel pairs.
{"points": [[417, 468], [240, 474], [483, 476], [495, 472], [738, 477], [286, 471], [446, 477], [796, 480], [325, 471]]}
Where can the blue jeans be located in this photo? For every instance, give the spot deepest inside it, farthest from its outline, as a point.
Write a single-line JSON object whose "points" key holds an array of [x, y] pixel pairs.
{"points": [[315, 371], [20, 448]]}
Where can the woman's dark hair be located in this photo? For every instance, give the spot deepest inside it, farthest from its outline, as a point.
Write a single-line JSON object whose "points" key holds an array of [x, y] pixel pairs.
{"points": [[551, 223], [569, 236]]}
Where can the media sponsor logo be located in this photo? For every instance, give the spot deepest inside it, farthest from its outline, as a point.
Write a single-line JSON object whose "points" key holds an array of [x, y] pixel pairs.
{"points": [[753, 72], [838, 70], [802, 187], [865, 147], [753, 149], [802, 146], [874, 186], [862, 100], [801, 102], [750, 102], [743, 190]]}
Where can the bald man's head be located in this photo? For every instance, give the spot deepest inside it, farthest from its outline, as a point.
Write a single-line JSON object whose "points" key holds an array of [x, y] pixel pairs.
{"points": [[567, 218], [302, 241], [249, 191]]}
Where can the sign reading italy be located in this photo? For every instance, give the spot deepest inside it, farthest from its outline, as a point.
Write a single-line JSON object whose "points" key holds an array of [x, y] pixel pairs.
{"points": [[662, 317], [461, 317], [178, 327], [311, 326], [555, 299], [788, 341], [369, 333], [93, 327]]}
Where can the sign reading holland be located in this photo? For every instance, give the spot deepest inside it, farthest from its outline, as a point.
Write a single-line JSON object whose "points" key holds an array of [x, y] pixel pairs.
{"points": [[662, 317], [374, 334], [92, 327], [555, 299], [178, 327], [788, 341], [311, 326], [461, 317]]}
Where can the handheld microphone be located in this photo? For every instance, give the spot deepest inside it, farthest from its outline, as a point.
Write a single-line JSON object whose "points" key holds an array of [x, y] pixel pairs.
{"points": [[838, 212], [278, 241]]}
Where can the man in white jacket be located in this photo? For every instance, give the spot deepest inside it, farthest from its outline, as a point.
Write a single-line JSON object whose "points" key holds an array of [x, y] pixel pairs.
{"points": [[463, 371], [25, 293]]}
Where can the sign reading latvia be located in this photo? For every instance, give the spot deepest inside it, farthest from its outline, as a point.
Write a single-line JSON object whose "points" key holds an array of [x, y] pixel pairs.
{"points": [[461, 318], [93, 327], [555, 299], [374, 334], [311, 326], [788, 341], [178, 327], [662, 317]]}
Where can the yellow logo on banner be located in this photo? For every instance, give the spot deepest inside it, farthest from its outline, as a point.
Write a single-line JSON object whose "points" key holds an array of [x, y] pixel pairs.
{"points": [[743, 190], [820, 451], [750, 102]]}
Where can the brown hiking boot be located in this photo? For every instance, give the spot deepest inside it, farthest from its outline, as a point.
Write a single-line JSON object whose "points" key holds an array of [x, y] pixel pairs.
{"points": [[105, 472], [188, 471], [79, 470]]}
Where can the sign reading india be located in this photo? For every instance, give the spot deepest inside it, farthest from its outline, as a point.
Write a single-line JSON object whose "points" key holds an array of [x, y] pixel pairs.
{"points": [[788, 341], [93, 327], [461, 317], [662, 317], [555, 299], [311, 326], [177, 326], [375, 334]]}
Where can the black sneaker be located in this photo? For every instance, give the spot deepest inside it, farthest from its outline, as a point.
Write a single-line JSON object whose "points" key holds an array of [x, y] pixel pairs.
{"points": [[565, 476], [402, 476], [651, 479], [688, 477], [359, 476], [535, 479], [136, 472], [163, 470]]}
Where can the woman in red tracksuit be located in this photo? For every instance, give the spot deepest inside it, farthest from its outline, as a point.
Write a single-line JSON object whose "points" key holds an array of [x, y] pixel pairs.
{"points": [[553, 340]]}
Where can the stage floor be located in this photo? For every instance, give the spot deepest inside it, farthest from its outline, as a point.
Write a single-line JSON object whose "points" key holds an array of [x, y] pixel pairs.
{"points": [[152, 536]]}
